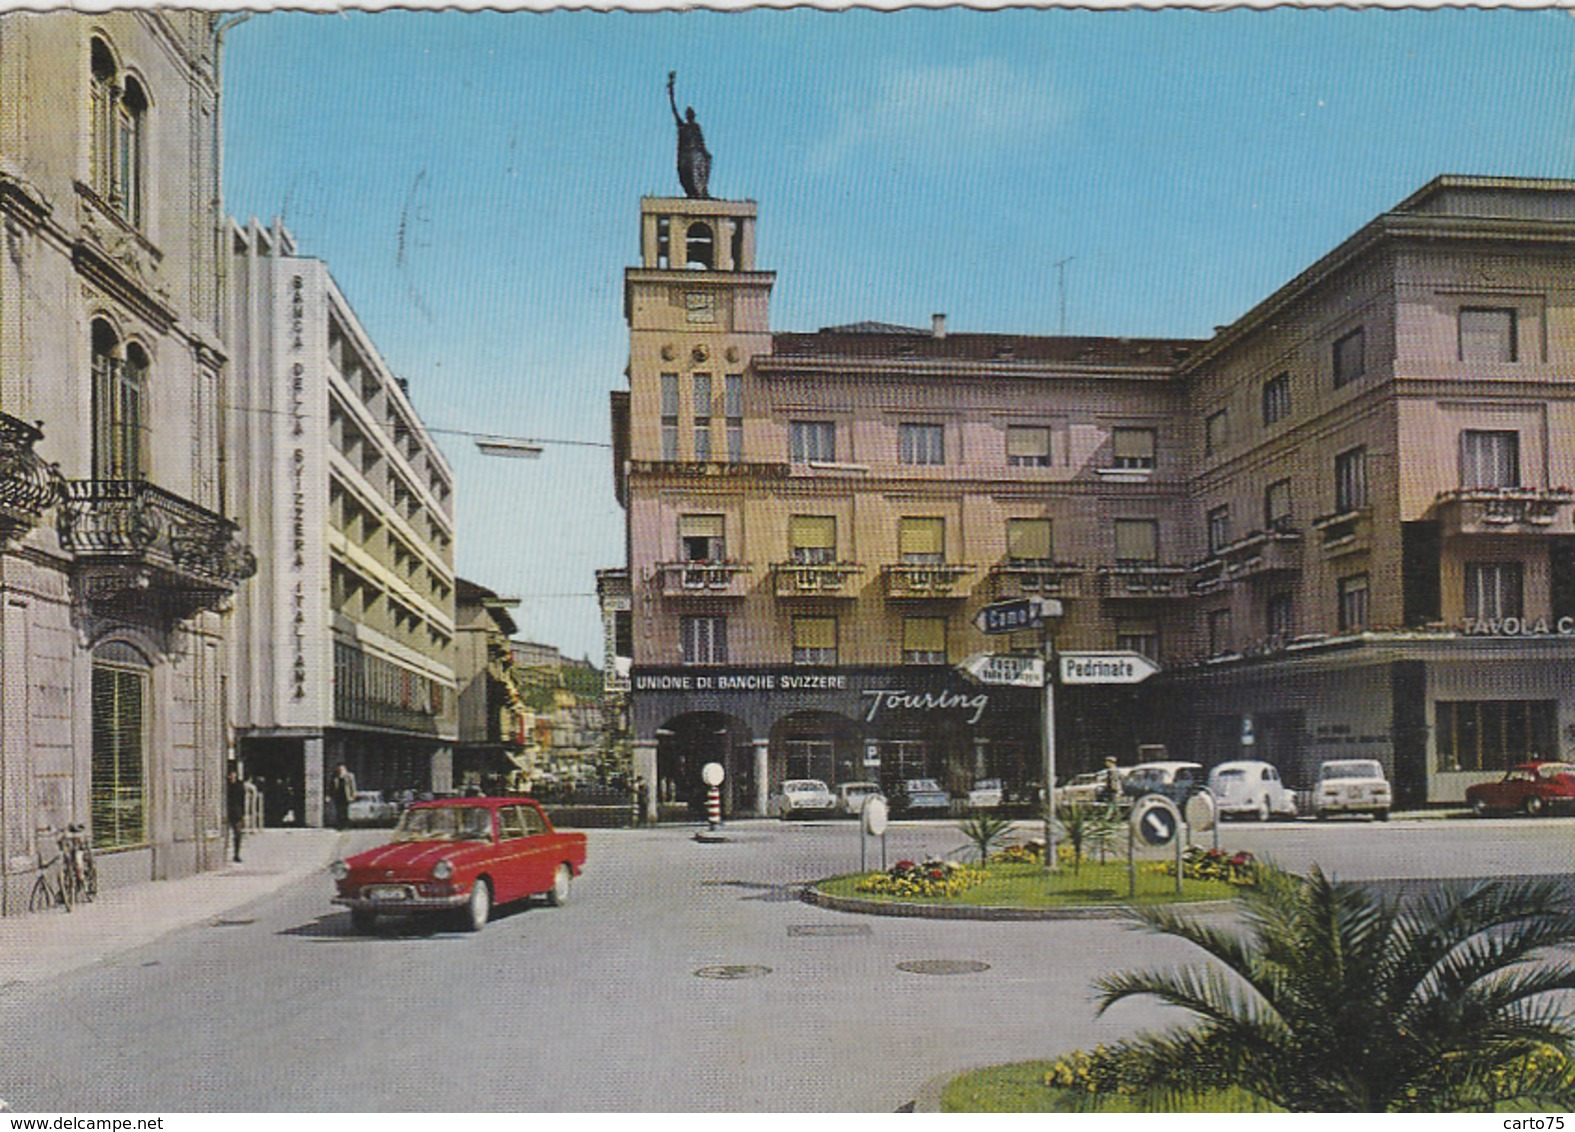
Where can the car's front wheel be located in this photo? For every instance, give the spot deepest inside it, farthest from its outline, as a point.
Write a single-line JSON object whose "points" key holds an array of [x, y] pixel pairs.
{"points": [[1479, 807], [1535, 807], [558, 894], [478, 910]]}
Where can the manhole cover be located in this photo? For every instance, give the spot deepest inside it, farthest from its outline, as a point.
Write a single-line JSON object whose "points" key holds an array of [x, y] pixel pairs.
{"points": [[942, 966], [733, 971], [829, 929]]}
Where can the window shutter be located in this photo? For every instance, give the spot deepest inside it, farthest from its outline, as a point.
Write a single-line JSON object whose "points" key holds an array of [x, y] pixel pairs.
{"points": [[814, 632], [812, 532], [700, 526], [924, 634], [1026, 442], [921, 536], [1137, 540], [1028, 539], [1133, 444]]}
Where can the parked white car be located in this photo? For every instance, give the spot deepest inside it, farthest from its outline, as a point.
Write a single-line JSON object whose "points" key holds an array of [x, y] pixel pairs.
{"points": [[1177, 781], [803, 796], [1352, 786], [371, 808], [1250, 788], [851, 796], [987, 794]]}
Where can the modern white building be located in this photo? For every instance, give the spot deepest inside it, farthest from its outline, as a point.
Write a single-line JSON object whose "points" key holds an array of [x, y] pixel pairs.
{"points": [[345, 643]]}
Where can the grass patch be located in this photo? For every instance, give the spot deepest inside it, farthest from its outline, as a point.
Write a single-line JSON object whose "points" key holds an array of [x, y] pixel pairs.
{"points": [[1027, 885], [1021, 1087]]}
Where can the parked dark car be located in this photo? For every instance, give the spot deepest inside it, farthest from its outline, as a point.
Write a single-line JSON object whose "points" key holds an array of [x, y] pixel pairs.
{"points": [[1534, 788]]}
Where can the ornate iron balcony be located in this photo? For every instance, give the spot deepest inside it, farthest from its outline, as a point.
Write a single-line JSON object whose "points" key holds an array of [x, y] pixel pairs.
{"points": [[135, 537], [814, 579], [28, 486], [702, 579], [1026, 577], [1144, 582], [939, 579]]}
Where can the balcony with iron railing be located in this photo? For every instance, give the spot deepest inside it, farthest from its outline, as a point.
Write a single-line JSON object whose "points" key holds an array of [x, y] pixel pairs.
{"points": [[1344, 532], [131, 539], [724, 579], [814, 579], [906, 580], [1259, 554], [28, 486], [1505, 510], [1142, 582], [1035, 577]]}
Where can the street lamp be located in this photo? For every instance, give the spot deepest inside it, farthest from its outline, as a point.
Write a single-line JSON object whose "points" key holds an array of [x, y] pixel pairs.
{"points": [[508, 448]]}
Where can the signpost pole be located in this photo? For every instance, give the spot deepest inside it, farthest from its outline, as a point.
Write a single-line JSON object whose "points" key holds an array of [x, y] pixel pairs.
{"points": [[1049, 740]]}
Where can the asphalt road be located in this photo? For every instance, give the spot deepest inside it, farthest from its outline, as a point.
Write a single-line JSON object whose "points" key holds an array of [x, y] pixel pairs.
{"points": [[681, 977]]}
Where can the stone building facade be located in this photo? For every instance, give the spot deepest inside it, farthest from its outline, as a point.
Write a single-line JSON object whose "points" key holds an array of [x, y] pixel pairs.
{"points": [[120, 559], [345, 641], [1341, 525]]}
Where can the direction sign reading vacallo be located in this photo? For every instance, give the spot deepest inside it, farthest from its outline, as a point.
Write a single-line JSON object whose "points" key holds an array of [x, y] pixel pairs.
{"points": [[1106, 668], [1005, 668]]}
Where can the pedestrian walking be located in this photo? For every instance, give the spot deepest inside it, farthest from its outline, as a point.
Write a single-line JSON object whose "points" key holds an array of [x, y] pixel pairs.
{"points": [[235, 809], [343, 793]]}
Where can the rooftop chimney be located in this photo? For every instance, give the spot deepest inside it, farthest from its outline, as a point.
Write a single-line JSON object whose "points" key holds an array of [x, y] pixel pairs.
{"points": [[938, 325]]}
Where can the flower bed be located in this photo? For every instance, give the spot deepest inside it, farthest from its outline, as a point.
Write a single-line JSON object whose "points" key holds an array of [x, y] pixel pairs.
{"points": [[931, 879]]}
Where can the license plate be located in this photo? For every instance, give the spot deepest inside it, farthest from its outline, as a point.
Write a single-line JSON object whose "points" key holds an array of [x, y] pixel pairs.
{"points": [[387, 892]]}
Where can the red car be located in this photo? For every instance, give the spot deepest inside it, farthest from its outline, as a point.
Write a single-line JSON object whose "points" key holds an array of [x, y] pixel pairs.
{"points": [[462, 855], [1535, 788]]}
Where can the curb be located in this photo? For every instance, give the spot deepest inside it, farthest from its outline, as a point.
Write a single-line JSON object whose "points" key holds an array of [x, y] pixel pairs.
{"points": [[813, 895]]}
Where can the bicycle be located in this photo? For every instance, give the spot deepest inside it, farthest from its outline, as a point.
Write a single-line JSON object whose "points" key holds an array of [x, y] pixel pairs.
{"points": [[51, 886], [81, 874]]}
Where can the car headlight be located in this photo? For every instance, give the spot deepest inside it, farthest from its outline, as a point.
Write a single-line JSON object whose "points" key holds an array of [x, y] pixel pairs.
{"points": [[339, 870], [442, 870]]}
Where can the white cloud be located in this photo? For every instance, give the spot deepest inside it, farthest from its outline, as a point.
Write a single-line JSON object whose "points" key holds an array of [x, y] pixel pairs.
{"points": [[957, 112]]}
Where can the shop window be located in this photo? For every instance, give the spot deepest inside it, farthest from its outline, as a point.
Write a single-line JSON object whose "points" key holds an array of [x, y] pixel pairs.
{"points": [[1494, 590], [118, 787], [815, 640], [1132, 448], [1276, 399], [1219, 528], [703, 639], [810, 758], [1489, 458], [924, 640], [812, 539], [922, 444], [700, 538], [1489, 334], [1352, 594], [812, 441], [1027, 446], [1137, 542], [1277, 514], [1350, 480], [921, 541], [1028, 542], [1350, 357], [1494, 735]]}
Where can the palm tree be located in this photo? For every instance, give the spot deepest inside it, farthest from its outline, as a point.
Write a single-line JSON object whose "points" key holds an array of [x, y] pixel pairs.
{"points": [[985, 833], [1338, 999], [1085, 827]]}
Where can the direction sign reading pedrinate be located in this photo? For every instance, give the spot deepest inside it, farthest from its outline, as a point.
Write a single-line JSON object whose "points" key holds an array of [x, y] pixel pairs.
{"points": [[1004, 668], [1012, 616], [1106, 668]]}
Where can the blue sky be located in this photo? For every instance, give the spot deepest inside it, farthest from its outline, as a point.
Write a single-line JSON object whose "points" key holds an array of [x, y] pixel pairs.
{"points": [[472, 180]]}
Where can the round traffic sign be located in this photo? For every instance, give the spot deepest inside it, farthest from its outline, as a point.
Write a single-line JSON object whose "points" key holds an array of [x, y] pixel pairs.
{"points": [[712, 774], [1200, 811], [874, 816], [1155, 819]]}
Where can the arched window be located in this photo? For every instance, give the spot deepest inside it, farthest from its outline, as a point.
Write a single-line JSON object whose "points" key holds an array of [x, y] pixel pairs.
{"points": [[120, 378], [699, 247], [118, 789], [119, 141]]}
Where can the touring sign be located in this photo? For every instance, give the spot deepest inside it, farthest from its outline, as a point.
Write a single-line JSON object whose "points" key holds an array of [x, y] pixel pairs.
{"points": [[1105, 667]]}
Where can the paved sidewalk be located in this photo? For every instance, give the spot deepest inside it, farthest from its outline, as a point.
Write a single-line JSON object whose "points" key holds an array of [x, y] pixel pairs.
{"points": [[41, 945]]}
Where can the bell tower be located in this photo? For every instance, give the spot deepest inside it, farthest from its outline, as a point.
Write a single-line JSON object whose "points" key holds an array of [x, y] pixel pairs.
{"points": [[698, 311]]}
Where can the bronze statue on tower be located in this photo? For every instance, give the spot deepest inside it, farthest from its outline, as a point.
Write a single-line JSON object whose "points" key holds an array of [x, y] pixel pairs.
{"points": [[694, 160]]}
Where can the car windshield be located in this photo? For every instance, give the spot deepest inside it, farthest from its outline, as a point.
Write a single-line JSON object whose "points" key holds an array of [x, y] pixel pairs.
{"points": [[445, 823], [1358, 768], [1549, 770]]}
